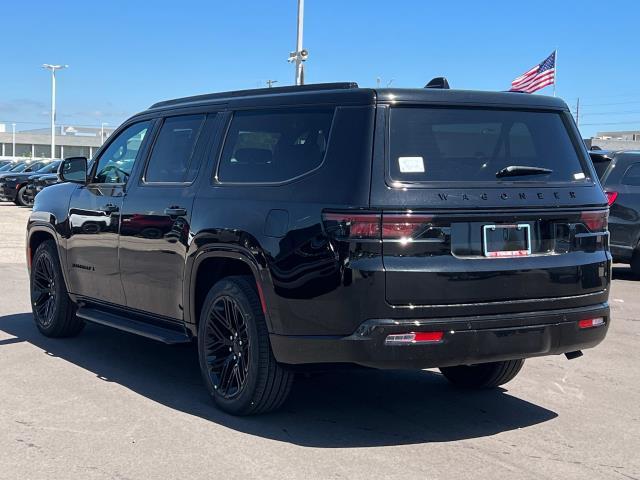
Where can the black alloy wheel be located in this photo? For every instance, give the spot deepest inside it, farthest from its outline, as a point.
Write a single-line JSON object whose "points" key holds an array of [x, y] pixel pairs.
{"points": [[20, 197], [227, 347], [43, 291], [236, 361], [53, 310]]}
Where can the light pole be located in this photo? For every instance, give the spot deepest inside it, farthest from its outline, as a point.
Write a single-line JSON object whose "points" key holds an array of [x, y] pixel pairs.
{"points": [[102, 132], [53, 69], [13, 150], [300, 55]]}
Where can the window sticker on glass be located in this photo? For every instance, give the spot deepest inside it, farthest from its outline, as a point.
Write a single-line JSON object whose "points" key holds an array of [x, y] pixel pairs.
{"points": [[578, 176], [411, 164]]}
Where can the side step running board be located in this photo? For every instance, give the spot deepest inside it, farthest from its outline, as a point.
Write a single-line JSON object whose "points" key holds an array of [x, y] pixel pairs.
{"points": [[154, 332]]}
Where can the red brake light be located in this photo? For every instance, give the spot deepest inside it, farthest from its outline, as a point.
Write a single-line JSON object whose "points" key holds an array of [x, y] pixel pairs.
{"points": [[595, 221], [352, 225], [611, 197]]}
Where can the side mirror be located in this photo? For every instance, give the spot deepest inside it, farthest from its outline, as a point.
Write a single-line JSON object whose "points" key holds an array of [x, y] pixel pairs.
{"points": [[74, 170]]}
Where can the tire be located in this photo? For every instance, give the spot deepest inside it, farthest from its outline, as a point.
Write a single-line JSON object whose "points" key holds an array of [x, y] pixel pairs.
{"points": [[53, 310], [20, 201], [236, 361], [483, 375], [635, 262]]}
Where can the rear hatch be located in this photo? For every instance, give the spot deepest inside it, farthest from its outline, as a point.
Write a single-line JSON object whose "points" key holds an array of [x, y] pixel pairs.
{"points": [[483, 205]]}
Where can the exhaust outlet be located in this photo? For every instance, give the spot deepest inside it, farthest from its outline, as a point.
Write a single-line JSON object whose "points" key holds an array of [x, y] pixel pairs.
{"points": [[572, 355]]}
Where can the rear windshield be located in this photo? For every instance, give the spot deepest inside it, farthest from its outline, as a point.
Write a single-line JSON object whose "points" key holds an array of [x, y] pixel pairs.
{"points": [[601, 164], [474, 145]]}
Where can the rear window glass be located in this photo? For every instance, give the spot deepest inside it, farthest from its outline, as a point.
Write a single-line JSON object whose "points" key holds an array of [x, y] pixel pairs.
{"points": [[473, 145], [274, 146], [600, 163], [632, 175]]}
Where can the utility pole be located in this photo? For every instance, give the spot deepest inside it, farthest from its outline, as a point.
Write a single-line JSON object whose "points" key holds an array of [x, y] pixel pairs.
{"points": [[300, 55], [271, 82], [13, 151], [102, 132], [53, 69]]}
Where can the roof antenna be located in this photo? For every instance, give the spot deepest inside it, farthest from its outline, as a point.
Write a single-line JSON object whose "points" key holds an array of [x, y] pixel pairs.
{"points": [[438, 82]]}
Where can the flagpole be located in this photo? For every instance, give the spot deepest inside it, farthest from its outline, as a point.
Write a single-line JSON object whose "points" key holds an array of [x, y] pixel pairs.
{"points": [[555, 73]]}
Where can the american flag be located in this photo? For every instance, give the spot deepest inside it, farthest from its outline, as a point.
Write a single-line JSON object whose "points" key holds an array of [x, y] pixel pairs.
{"points": [[538, 77]]}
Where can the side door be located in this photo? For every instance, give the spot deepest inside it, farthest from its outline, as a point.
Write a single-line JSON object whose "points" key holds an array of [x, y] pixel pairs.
{"points": [[156, 216], [624, 215], [94, 218]]}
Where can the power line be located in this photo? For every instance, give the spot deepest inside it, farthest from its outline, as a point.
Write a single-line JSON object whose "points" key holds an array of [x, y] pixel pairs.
{"points": [[610, 104], [626, 112], [611, 123]]}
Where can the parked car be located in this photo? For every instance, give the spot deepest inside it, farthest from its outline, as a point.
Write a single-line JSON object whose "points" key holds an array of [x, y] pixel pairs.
{"points": [[11, 166], [619, 174], [29, 192], [285, 227], [13, 186]]}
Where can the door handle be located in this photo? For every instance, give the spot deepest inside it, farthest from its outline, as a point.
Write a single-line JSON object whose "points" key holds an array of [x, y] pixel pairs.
{"points": [[109, 208], [175, 211]]}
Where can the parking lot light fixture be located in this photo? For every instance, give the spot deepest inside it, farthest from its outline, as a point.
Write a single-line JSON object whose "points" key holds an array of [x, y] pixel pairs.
{"points": [[102, 125], [13, 140], [52, 69]]}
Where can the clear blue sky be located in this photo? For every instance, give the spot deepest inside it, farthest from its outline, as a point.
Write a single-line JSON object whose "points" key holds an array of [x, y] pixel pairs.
{"points": [[125, 55]]}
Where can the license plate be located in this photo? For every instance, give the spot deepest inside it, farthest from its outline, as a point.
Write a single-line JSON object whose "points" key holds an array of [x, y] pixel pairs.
{"points": [[507, 240]]}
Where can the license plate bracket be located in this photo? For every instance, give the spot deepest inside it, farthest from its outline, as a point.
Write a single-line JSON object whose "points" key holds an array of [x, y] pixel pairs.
{"points": [[512, 240]]}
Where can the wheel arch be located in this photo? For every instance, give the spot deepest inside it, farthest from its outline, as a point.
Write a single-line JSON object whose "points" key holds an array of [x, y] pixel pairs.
{"points": [[211, 266], [39, 233]]}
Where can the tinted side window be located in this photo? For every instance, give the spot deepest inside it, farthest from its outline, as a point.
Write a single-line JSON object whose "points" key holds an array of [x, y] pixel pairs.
{"points": [[632, 175], [173, 150], [275, 145], [116, 162]]}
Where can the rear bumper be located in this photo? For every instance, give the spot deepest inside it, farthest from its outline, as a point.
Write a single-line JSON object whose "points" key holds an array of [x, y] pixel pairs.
{"points": [[466, 340]]}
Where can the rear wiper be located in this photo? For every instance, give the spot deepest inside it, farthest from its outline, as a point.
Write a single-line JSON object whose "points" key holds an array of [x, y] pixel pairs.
{"points": [[517, 170]]}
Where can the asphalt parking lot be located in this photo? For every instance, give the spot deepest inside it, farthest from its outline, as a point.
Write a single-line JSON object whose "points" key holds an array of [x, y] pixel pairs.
{"points": [[111, 405]]}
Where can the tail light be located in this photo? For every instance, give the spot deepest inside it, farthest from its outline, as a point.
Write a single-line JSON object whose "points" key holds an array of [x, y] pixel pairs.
{"points": [[595, 221], [403, 227], [352, 226], [362, 226], [611, 197]]}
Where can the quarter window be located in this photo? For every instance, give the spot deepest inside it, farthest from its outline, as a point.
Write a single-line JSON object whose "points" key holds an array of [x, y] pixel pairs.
{"points": [[116, 163], [274, 146], [632, 175], [172, 156]]}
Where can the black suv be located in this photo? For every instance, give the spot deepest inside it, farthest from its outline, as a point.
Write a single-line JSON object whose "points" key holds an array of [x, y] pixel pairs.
{"points": [[331, 224], [619, 174]]}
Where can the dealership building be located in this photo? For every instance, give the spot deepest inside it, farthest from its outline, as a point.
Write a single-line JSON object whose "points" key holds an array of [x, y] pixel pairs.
{"points": [[70, 141], [620, 140]]}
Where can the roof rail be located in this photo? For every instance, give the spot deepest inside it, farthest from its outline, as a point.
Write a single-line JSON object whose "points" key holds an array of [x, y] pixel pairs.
{"points": [[257, 91]]}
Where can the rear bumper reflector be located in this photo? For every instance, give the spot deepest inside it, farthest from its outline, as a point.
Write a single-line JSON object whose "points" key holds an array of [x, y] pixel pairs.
{"points": [[413, 337], [591, 322]]}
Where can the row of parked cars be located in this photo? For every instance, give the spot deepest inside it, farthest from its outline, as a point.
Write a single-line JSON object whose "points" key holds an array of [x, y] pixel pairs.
{"points": [[22, 180]]}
